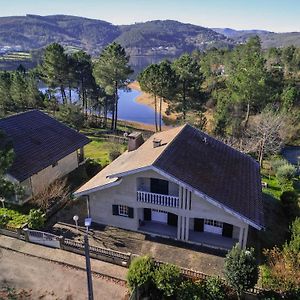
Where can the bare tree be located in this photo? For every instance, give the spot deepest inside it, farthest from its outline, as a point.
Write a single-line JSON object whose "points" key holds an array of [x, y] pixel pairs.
{"points": [[56, 191], [264, 136]]}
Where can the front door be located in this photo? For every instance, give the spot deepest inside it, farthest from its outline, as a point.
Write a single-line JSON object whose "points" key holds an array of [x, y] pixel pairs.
{"points": [[159, 186], [159, 216]]}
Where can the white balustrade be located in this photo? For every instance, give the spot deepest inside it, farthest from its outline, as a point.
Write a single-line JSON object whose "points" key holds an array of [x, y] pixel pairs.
{"points": [[158, 199]]}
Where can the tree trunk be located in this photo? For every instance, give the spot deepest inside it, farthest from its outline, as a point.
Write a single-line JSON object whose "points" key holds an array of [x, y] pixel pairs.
{"points": [[155, 113], [105, 113], [70, 93], [63, 94], [116, 105], [160, 116], [184, 101], [247, 115]]}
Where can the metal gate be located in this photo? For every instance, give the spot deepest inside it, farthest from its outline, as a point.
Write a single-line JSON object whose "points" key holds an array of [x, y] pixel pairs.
{"points": [[43, 238]]}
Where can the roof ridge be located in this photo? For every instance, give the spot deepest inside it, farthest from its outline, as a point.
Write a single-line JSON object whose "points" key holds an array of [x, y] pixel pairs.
{"points": [[170, 143]]}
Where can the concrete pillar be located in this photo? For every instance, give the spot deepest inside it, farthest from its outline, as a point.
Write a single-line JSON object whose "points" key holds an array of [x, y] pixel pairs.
{"points": [[183, 229], [245, 236], [187, 228], [179, 224], [241, 236], [180, 197]]}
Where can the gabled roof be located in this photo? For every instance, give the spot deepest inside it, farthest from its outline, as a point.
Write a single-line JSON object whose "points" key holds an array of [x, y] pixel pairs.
{"points": [[229, 177], [39, 141]]}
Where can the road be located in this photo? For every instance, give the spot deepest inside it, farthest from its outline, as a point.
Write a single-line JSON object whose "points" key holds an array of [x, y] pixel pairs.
{"points": [[46, 280]]}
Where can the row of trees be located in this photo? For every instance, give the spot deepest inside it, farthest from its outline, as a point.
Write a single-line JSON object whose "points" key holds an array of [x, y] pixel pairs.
{"points": [[178, 83], [96, 82]]}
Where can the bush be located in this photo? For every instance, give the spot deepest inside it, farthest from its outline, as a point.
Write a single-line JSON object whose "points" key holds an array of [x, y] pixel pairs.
{"points": [[114, 153], [215, 288], [4, 219], [36, 219], [13, 217], [276, 163], [285, 173], [140, 272], [189, 290], [241, 270], [167, 279]]}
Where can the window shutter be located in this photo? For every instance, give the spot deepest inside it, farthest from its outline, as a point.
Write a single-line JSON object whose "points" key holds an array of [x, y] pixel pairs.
{"points": [[115, 210], [227, 230], [130, 212]]}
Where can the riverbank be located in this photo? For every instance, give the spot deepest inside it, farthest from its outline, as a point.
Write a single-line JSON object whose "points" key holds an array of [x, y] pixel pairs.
{"points": [[147, 99]]}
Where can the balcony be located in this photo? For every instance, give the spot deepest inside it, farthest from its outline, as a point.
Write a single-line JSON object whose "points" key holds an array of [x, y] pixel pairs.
{"points": [[157, 199]]}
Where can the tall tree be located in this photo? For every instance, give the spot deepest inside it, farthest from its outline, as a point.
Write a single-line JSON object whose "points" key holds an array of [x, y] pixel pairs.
{"points": [[149, 81], [189, 80], [248, 79], [54, 69], [18, 90], [5, 97], [111, 71]]}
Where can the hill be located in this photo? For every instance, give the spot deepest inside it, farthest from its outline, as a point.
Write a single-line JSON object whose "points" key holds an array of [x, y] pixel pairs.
{"points": [[268, 38], [150, 38], [153, 38]]}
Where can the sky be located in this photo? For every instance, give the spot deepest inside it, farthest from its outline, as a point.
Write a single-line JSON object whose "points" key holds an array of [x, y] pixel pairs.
{"points": [[273, 15]]}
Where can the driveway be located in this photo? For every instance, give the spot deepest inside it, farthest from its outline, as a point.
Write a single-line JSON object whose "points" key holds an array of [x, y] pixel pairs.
{"points": [[34, 278], [186, 255]]}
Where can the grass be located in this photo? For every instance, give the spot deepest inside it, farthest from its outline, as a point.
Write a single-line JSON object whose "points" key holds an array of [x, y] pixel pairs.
{"points": [[273, 188], [98, 149], [17, 218]]}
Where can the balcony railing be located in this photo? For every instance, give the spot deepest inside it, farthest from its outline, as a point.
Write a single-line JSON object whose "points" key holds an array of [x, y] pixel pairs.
{"points": [[158, 199]]}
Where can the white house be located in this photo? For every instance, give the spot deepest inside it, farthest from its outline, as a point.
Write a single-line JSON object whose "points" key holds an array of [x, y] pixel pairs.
{"points": [[44, 148], [181, 184]]}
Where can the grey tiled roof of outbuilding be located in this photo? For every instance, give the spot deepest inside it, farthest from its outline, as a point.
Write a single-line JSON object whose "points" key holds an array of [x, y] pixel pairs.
{"points": [[39, 141], [215, 169]]}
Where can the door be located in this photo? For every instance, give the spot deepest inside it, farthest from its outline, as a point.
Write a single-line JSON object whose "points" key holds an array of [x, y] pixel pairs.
{"points": [[172, 219], [213, 226], [227, 230], [147, 214], [159, 186], [159, 216], [198, 224]]}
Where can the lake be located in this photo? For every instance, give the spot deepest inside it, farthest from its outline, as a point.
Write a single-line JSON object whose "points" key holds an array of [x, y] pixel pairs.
{"points": [[128, 108]]}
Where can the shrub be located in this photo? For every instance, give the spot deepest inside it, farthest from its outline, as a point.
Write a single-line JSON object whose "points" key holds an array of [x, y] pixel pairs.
{"points": [[92, 167], [4, 219], [114, 153], [285, 173], [215, 288], [36, 219], [241, 270], [276, 163], [140, 272], [189, 290], [167, 279]]}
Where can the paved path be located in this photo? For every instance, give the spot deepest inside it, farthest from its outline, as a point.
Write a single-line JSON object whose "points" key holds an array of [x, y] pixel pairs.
{"points": [[63, 257], [36, 278]]}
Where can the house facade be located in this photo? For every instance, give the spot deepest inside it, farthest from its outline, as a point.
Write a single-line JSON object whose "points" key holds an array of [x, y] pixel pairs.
{"points": [[45, 150], [169, 187]]}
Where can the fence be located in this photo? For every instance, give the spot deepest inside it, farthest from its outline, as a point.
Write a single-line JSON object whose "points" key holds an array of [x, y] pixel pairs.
{"points": [[104, 254]]}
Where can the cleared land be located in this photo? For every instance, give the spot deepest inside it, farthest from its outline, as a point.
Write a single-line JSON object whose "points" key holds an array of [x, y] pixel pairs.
{"points": [[34, 278]]}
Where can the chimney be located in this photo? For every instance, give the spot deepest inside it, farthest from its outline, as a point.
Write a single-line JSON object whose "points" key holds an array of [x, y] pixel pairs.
{"points": [[135, 140], [156, 143]]}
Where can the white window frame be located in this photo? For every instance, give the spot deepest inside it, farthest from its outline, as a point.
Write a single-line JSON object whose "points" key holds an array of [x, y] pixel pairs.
{"points": [[123, 210], [213, 223]]}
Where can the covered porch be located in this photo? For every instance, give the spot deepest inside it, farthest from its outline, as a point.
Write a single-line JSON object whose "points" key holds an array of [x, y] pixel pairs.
{"points": [[212, 240], [157, 228]]}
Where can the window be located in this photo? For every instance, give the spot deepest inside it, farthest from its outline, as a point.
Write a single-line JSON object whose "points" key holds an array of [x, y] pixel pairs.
{"points": [[213, 223], [123, 210]]}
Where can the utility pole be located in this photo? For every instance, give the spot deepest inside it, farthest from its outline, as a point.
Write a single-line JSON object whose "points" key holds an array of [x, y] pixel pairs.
{"points": [[88, 222]]}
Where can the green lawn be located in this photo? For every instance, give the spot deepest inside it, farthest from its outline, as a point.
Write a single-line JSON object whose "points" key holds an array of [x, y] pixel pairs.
{"points": [[273, 188], [98, 150]]}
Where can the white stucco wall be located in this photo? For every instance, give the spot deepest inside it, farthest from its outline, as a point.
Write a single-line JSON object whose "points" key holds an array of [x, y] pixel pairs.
{"points": [[43, 178], [125, 193]]}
